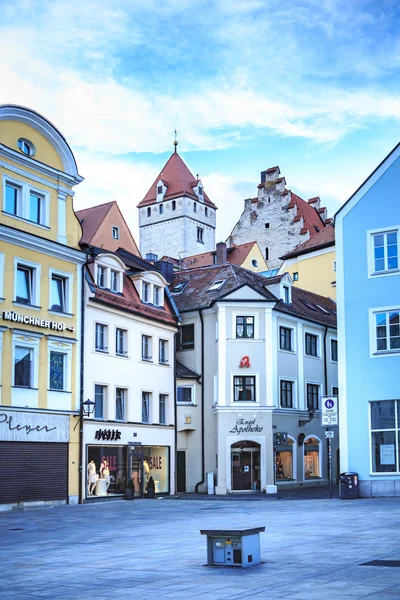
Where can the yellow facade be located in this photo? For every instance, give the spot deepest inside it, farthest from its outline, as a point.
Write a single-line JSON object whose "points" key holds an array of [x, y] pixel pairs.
{"points": [[47, 250], [255, 254], [315, 271]]}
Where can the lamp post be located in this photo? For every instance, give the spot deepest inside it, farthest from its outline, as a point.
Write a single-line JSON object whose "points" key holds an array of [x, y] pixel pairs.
{"points": [[86, 409], [311, 414]]}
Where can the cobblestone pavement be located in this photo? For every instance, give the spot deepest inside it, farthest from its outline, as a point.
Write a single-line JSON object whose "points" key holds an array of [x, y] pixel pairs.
{"points": [[312, 549]]}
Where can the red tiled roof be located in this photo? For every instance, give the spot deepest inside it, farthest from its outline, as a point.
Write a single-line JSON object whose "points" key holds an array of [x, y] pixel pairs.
{"points": [[311, 217], [130, 301], [237, 254], [91, 219], [179, 181], [320, 239]]}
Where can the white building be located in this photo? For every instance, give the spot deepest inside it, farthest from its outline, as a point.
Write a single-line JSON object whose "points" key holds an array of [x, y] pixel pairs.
{"points": [[176, 217], [130, 324]]}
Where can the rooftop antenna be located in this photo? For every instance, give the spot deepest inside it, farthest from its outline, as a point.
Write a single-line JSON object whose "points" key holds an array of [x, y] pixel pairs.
{"points": [[175, 142]]}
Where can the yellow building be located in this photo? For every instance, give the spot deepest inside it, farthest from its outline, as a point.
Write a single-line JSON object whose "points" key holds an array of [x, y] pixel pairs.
{"points": [[40, 325], [312, 265]]}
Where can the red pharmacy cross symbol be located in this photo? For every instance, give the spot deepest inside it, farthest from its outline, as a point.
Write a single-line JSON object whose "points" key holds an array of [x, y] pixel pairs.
{"points": [[245, 362]]}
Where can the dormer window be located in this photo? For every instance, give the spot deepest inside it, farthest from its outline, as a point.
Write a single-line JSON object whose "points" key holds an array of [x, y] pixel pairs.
{"points": [[159, 189], [101, 277], [109, 273], [200, 191], [146, 292], [114, 281], [156, 295], [115, 233], [286, 294], [217, 285]]}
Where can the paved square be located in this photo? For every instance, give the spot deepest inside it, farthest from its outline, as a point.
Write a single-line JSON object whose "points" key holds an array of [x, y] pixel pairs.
{"points": [[153, 549]]}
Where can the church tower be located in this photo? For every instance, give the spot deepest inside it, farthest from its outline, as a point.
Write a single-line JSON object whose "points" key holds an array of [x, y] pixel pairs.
{"points": [[176, 217]]}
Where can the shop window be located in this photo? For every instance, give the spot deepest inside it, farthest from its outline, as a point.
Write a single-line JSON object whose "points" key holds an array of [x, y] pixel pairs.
{"points": [[115, 457], [23, 366], [162, 408], [57, 371], [120, 404], [311, 449], [146, 347], [25, 282], [244, 327], [311, 344], [385, 436], [163, 352], [146, 407], [244, 389], [100, 399], [284, 461], [334, 351], [184, 394], [101, 335], [285, 338], [286, 393], [121, 345], [312, 396], [58, 293], [185, 337]]}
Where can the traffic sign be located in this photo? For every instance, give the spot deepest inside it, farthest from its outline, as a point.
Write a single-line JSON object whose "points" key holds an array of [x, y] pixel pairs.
{"points": [[329, 411], [329, 435]]}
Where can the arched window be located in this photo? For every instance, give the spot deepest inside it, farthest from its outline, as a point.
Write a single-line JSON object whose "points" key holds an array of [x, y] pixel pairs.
{"points": [[312, 458], [285, 461], [266, 254]]}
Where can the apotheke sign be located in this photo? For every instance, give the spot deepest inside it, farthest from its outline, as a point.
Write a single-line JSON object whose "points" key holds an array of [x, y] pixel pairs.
{"points": [[243, 426], [36, 321]]}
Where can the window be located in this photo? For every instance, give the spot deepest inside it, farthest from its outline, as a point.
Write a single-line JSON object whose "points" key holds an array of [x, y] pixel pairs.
{"points": [[120, 404], [266, 225], [173, 205], [146, 347], [101, 277], [57, 371], [114, 281], [162, 409], [284, 460], [386, 255], [179, 287], [335, 390], [311, 344], [156, 295], [206, 211], [295, 276], [159, 189], [161, 209], [266, 254], [244, 389], [115, 233], [146, 292], [185, 337], [36, 208], [387, 331], [254, 262], [244, 327], [26, 147], [149, 211], [217, 285], [311, 448], [24, 293], [194, 207], [58, 297], [101, 337], [334, 348], [120, 341], [145, 407], [23, 367], [200, 233], [99, 399], [184, 395], [163, 352], [312, 396], [286, 394], [200, 191], [13, 196], [385, 436], [285, 339], [286, 294]]}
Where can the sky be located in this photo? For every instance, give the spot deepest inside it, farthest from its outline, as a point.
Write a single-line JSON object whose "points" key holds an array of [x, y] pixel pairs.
{"points": [[311, 86]]}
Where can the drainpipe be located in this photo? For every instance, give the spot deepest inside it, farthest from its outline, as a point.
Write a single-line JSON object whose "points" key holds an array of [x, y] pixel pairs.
{"points": [[203, 474], [175, 423], [325, 364]]}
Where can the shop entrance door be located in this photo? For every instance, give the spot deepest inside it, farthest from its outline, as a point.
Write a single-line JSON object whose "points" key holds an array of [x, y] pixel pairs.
{"points": [[245, 466]]}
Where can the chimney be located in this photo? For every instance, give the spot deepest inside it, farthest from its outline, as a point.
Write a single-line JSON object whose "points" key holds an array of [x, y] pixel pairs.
{"points": [[222, 254]]}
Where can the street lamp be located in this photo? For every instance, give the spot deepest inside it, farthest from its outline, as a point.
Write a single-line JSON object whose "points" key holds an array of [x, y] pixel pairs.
{"points": [[87, 408], [311, 414]]}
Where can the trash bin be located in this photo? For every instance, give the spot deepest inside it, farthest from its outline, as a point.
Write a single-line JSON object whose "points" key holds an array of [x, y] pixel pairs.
{"points": [[348, 485]]}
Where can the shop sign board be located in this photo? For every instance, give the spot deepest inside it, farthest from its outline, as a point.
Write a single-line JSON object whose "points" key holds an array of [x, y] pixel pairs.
{"points": [[18, 426], [10, 315], [329, 411], [246, 426]]}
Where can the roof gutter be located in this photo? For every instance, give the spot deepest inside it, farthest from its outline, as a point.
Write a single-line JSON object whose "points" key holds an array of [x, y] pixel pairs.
{"points": [[203, 469]]}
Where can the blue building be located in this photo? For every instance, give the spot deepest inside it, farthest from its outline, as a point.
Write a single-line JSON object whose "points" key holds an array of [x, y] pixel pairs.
{"points": [[368, 302]]}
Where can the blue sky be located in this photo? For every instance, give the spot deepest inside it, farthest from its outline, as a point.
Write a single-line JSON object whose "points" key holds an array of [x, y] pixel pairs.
{"points": [[311, 86]]}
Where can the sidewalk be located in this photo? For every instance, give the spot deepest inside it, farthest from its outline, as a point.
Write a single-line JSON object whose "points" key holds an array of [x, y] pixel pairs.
{"points": [[307, 493]]}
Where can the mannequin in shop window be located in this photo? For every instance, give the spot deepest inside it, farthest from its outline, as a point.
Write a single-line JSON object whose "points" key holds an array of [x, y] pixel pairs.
{"points": [[147, 471], [92, 478], [279, 468], [105, 472]]}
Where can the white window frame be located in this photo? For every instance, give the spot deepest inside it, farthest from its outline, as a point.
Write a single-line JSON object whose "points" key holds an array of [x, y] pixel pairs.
{"points": [[118, 278], [321, 458], [166, 396], [374, 352], [24, 201], [166, 351], [146, 291], [33, 345], [104, 350], [156, 295], [66, 349], [396, 429], [372, 274], [318, 336], [293, 338], [335, 362], [148, 358], [105, 400], [249, 403], [150, 400], [245, 313], [69, 286], [124, 352], [294, 394], [193, 401], [115, 230], [36, 272], [200, 235], [125, 411], [317, 383]]}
